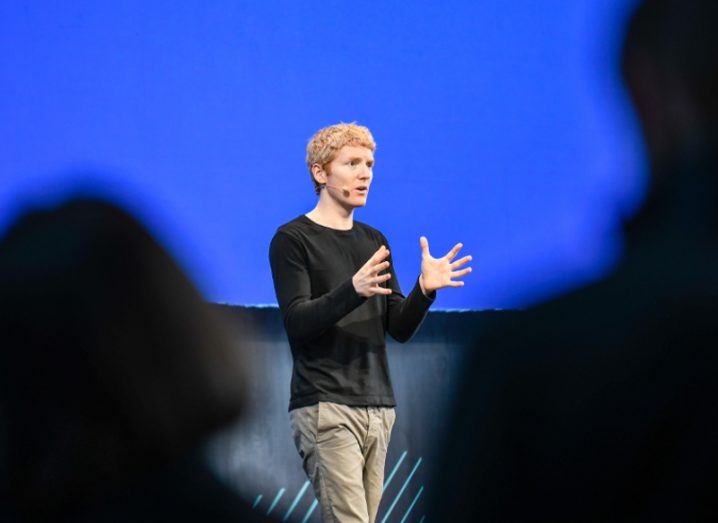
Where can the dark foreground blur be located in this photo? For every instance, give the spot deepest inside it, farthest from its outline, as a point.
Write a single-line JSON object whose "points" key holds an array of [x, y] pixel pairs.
{"points": [[113, 373], [601, 405]]}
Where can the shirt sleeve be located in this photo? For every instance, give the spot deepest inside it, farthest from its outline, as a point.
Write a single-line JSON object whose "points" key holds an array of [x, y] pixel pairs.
{"points": [[304, 317], [405, 314]]}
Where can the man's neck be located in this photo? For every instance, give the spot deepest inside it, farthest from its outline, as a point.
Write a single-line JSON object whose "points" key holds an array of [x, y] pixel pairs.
{"points": [[330, 213]]}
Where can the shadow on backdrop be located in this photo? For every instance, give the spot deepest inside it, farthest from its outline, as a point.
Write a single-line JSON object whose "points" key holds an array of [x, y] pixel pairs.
{"points": [[113, 373], [601, 405]]}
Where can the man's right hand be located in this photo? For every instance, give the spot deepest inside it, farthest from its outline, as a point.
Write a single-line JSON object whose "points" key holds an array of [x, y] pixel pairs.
{"points": [[367, 279]]}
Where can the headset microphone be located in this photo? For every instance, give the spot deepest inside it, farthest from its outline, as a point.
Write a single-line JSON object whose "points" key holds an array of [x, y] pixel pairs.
{"points": [[343, 189]]}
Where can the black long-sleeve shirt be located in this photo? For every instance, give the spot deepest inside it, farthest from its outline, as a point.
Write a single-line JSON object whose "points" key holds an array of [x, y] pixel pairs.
{"points": [[338, 337]]}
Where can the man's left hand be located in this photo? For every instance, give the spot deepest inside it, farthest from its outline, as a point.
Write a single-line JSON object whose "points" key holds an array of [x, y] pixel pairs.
{"points": [[437, 273]]}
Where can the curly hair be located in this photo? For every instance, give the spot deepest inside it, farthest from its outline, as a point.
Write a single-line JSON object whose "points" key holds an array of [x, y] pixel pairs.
{"points": [[326, 143]]}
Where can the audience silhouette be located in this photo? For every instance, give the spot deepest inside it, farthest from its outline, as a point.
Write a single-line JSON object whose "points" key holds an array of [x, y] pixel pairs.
{"points": [[600, 405], [113, 372]]}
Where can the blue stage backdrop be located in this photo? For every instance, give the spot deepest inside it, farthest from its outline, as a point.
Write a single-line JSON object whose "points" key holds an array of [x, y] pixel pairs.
{"points": [[501, 124]]}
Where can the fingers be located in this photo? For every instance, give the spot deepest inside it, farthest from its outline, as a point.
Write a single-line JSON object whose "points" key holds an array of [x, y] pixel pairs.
{"points": [[424, 245], [460, 262], [459, 274], [454, 251], [456, 284], [380, 290], [380, 279], [367, 281], [381, 266], [380, 254]]}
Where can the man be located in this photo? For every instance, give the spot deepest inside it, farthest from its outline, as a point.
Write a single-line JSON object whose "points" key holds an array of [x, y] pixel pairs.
{"points": [[339, 296], [601, 405]]}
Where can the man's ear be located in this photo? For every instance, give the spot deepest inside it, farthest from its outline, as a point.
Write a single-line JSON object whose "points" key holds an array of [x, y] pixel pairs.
{"points": [[319, 174]]}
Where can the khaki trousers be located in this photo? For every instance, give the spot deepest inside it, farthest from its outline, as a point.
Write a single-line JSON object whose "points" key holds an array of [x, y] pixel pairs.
{"points": [[343, 451]]}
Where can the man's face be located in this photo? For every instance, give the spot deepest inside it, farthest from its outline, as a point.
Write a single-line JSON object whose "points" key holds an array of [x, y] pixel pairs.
{"points": [[351, 169]]}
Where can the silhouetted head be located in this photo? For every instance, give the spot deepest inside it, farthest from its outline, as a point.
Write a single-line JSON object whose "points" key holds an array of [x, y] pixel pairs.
{"points": [[670, 63], [111, 363]]}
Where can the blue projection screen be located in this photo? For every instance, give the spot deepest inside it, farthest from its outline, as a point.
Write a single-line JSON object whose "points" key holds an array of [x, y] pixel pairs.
{"points": [[503, 125]]}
